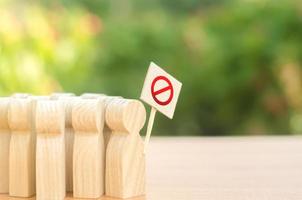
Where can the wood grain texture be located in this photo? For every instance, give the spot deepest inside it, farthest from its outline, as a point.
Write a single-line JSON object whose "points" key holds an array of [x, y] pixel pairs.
{"points": [[126, 115], [50, 151], [89, 149], [67, 99], [22, 147], [4, 144], [107, 99], [107, 131], [222, 168], [225, 168], [125, 160]]}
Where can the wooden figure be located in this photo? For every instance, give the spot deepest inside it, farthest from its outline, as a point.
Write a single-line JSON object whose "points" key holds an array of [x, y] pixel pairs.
{"points": [[4, 144], [91, 95], [107, 99], [67, 99], [88, 151], [125, 158], [22, 147], [50, 152], [21, 95]]}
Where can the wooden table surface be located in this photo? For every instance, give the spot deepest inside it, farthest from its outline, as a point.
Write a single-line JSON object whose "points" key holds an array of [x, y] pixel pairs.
{"points": [[223, 168]]}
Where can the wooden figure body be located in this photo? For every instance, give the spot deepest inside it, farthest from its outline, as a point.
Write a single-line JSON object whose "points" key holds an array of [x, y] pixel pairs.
{"points": [[125, 160], [88, 151], [4, 145], [22, 147], [67, 99], [50, 151]]}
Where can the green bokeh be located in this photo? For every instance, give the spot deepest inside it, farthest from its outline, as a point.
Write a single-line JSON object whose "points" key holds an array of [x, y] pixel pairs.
{"points": [[239, 60]]}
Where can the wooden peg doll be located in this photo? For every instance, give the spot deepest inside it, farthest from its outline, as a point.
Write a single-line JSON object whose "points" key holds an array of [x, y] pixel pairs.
{"points": [[107, 99], [50, 151], [125, 160], [67, 99], [4, 144], [22, 146], [89, 150]]}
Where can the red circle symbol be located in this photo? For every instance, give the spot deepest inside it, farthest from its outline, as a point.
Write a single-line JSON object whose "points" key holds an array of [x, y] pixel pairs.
{"points": [[169, 87]]}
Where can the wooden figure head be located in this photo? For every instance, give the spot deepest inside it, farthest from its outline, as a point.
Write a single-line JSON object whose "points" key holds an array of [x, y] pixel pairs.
{"points": [[50, 117], [87, 115], [125, 115], [21, 111], [67, 100]]}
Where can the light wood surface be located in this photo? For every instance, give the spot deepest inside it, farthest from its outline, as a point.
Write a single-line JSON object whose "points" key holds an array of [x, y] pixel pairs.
{"points": [[222, 168], [230, 168]]}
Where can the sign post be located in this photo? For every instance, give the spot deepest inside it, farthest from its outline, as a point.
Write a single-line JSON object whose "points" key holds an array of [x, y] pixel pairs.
{"points": [[161, 92], [149, 128]]}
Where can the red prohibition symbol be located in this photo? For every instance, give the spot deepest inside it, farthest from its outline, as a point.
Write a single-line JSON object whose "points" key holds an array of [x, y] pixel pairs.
{"points": [[157, 92]]}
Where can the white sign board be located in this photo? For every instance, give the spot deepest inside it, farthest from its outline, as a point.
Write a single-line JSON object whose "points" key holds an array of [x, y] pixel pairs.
{"points": [[161, 90]]}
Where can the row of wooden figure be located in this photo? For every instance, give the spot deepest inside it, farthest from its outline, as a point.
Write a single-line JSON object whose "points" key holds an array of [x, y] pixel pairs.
{"points": [[88, 145]]}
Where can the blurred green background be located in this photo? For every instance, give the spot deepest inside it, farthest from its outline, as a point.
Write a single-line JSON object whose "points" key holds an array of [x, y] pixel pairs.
{"points": [[240, 61]]}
